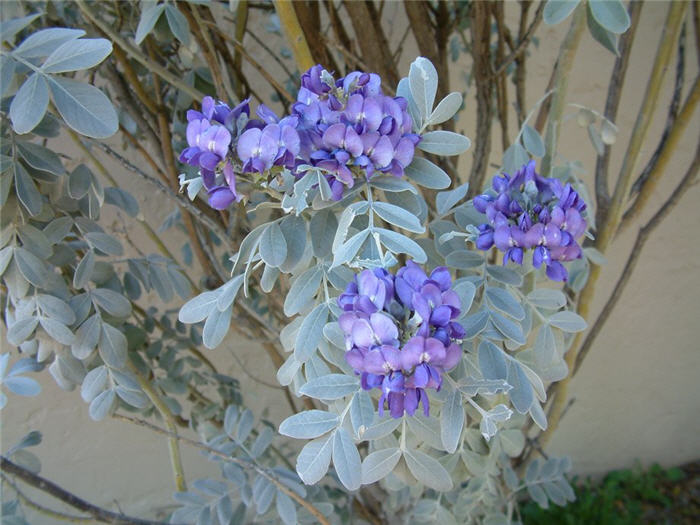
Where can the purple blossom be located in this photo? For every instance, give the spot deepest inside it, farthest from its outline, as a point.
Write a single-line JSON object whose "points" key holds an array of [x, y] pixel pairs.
{"points": [[531, 212], [401, 334]]}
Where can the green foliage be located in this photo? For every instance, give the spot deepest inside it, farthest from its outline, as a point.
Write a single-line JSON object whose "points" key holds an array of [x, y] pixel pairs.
{"points": [[621, 498]]}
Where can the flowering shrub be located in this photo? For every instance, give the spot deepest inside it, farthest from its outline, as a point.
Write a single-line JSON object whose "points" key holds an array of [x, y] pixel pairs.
{"points": [[336, 233]]}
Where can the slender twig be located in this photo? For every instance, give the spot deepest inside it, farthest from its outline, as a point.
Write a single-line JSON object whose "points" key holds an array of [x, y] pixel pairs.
{"points": [[203, 38], [676, 133], [240, 462], [273, 55], [74, 501], [137, 55], [565, 62], [167, 415], [295, 36], [45, 511], [523, 42], [612, 103], [642, 237]]}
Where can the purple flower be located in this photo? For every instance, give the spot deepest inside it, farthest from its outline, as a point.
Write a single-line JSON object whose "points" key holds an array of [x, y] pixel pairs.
{"points": [[530, 212], [381, 311]]}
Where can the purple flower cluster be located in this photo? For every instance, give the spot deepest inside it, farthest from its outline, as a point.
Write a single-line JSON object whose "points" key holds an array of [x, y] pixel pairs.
{"points": [[346, 127], [529, 211], [400, 333], [350, 124]]}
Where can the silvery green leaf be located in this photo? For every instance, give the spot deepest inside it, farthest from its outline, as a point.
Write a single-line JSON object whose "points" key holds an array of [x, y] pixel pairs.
{"points": [[79, 182], [5, 257], [423, 81], [464, 259], [446, 200], [87, 337], [224, 509], [568, 321], [535, 381], [228, 292], [345, 221], [361, 412], [263, 441], [547, 298], [22, 386], [105, 243], [404, 90], [286, 509], [444, 143], [521, 395], [466, 291], [398, 217], [492, 361], [398, 243], [294, 230], [392, 184], [514, 158], [607, 39], [149, 17], [9, 28], [595, 256], [31, 439], [273, 247], [346, 460], [198, 308], [510, 329], [428, 470], [608, 134], [122, 199], [557, 10], [331, 386], [471, 386], [322, 227], [178, 24], [512, 441], [159, 279], [35, 241], [31, 267], [446, 109], [596, 140], [57, 330], [24, 365], [502, 300], [102, 405], [314, 459], [347, 251], [286, 372], [427, 174], [230, 419], [75, 55], [381, 428], [84, 108], [379, 464], [425, 429], [473, 324], [43, 42], [538, 495], [269, 278], [500, 413], [611, 14], [245, 425], [40, 157], [20, 330], [309, 424], [27, 192], [533, 141], [310, 333], [112, 302], [58, 228], [133, 398], [113, 346], [30, 104], [216, 327], [452, 421]]}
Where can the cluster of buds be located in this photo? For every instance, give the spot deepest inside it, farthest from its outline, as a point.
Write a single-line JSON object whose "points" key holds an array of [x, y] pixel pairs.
{"points": [[401, 334], [348, 128], [531, 212]]}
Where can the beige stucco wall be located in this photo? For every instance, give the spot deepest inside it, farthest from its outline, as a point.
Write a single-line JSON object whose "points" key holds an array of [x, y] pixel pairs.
{"points": [[637, 396]]}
